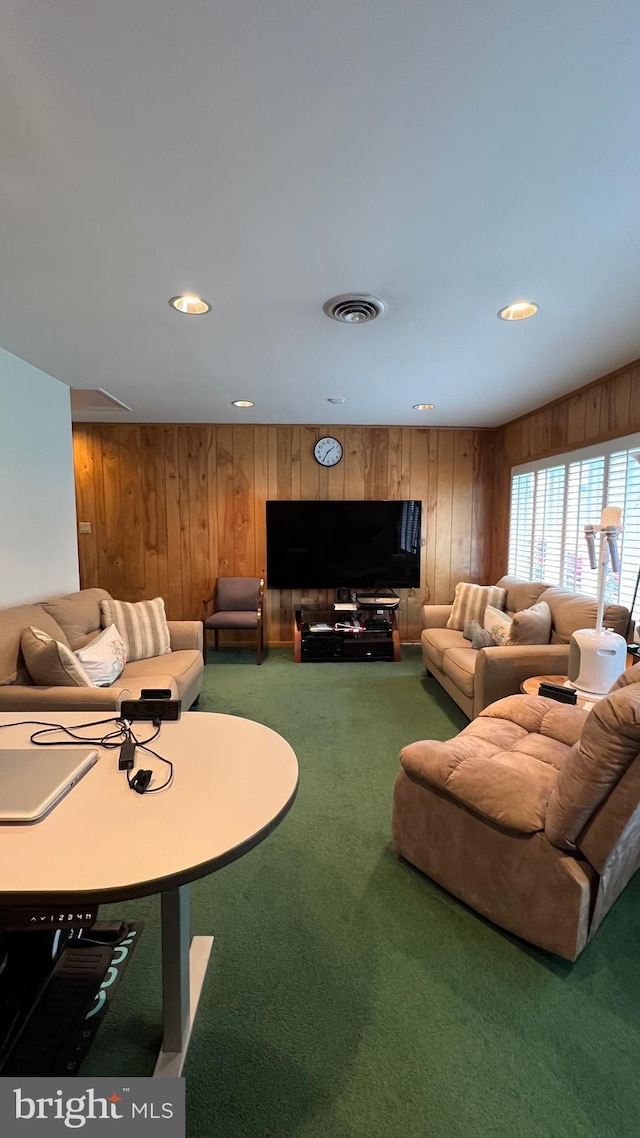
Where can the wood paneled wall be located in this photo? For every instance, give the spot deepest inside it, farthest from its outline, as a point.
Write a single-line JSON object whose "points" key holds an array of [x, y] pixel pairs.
{"points": [[606, 409], [174, 506]]}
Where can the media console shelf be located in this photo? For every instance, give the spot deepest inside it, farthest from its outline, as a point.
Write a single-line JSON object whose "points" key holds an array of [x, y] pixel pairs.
{"points": [[318, 635]]}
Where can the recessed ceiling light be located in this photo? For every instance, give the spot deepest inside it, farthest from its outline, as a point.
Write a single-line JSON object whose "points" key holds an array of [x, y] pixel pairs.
{"points": [[190, 305], [242, 403], [519, 310], [424, 406]]}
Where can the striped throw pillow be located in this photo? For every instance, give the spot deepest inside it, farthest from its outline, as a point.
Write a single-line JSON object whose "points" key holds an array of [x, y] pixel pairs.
{"points": [[470, 601], [142, 626]]}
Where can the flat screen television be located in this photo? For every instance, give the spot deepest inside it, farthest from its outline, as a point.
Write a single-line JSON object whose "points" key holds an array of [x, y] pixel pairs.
{"points": [[352, 544]]}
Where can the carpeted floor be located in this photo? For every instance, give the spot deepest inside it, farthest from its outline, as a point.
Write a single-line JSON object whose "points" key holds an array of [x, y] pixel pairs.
{"points": [[348, 996]]}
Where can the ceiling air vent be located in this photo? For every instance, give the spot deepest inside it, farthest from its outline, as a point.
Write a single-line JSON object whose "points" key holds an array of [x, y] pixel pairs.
{"points": [[354, 307], [84, 399]]}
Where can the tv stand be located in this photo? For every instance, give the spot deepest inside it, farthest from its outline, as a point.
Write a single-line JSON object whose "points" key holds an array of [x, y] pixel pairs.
{"points": [[322, 634]]}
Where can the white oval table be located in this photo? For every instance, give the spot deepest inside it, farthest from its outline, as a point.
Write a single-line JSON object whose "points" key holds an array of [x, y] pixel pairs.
{"points": [[234, 782]]}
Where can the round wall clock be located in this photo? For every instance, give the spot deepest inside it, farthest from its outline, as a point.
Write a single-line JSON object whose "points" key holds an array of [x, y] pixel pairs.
{"points": [[328, 451]]}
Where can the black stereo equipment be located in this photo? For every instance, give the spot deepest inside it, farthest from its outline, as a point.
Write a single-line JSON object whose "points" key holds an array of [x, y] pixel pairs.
{"points": [[150, 709]]}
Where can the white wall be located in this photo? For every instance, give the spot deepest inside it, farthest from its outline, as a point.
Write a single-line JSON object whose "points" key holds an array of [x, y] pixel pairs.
{"points": [[38, 541]]}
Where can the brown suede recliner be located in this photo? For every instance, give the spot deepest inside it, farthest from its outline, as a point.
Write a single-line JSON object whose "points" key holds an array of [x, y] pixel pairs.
{"points": [[531, 815]]}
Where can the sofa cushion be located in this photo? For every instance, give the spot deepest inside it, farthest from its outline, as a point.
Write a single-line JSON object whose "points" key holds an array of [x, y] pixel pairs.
{"points": [[141, 624], [436, 641], [488, 769], [532, 625], [51, 663], [78, 615], [470, 602], [570, 611], [104, 657], [629, 676], [459, 664], [521, 594], [13, 669], [182, 669]]}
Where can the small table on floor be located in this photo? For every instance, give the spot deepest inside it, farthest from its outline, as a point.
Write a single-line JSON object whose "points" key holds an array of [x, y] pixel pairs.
{"points": [[530, 687], [234, 782]]}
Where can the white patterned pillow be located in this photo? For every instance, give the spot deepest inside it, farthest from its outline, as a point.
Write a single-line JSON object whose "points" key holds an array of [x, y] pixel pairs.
{"points": [[498, 624], [104, 657], [141, 624], [50, 663], [470, 601]]}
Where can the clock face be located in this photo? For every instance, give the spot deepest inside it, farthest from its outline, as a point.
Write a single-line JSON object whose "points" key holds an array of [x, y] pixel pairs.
{"points": [[328, 451]]}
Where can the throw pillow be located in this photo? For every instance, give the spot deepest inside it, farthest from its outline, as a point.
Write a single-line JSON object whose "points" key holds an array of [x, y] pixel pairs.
{"points": [[498, 624], [532, 625], [470, 602], [50, 663], [104, 657], [141, 624], [478, 635]]}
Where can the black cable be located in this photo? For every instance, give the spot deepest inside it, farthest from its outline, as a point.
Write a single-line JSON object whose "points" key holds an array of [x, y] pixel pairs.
{"points": [[110, 741]]}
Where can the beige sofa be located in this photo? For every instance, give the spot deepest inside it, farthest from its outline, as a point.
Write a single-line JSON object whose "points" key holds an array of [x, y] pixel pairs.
{"points": [[531, 815], [74, 620], [475, 678]]}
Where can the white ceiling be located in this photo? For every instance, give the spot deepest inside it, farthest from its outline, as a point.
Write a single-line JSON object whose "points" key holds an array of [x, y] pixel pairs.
{"points": [[448, 156]]}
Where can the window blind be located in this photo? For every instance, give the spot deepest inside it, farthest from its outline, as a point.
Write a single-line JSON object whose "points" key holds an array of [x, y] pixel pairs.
{"points": [[552, 502]]}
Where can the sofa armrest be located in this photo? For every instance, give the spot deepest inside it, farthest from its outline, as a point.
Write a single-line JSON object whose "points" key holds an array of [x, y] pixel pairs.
{"points": [[501, 670], [185, 634], [435, 616], [30, 697]]}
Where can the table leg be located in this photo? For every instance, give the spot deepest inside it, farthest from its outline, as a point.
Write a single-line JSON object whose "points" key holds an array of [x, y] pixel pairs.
{"points": [[183, 971]]}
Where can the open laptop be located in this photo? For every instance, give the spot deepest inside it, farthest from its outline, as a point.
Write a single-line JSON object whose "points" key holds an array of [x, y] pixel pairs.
{"points": [[33, 780]]}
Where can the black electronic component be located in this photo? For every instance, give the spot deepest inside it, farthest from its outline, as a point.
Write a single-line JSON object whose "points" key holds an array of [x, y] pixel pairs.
{"points": [[558, 692], [343, 544], [150, 710], [377, 625], [141, 780], [127, 756], [155, 693]]}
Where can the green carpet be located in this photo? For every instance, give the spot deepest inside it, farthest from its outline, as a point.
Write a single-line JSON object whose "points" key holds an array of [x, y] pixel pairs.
{"points": [[348, 996]]}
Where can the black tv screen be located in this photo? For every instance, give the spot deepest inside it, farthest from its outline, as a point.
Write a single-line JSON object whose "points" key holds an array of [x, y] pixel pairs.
{"points": [[355, 544]]}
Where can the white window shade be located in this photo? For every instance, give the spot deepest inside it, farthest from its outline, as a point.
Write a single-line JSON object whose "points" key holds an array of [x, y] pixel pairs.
{"points": [[521, 524], [585, 502], [552, 502], [624, 486], [547, 528]]}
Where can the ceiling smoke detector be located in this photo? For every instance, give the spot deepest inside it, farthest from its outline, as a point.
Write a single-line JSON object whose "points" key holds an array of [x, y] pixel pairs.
{"points": [[354, 307]]}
